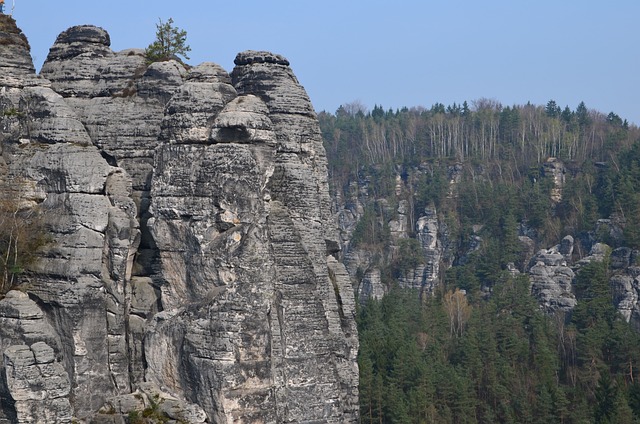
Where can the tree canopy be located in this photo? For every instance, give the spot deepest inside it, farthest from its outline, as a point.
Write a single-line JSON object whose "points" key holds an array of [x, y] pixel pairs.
{"points": [[478, 349], [171, 42]]}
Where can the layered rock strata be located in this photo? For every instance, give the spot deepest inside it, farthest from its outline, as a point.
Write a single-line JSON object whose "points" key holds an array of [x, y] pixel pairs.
{"points": [[257, 311], [190, 258]]}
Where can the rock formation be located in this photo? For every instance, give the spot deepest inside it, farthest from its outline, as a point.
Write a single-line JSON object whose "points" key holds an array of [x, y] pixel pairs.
{"points": [[555, 170], [366, 263], [551, 277], [190, 268], [428, 234]]}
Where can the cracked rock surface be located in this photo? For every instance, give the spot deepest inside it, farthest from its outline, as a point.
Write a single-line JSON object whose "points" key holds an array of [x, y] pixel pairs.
{"points": [[189, 263]]}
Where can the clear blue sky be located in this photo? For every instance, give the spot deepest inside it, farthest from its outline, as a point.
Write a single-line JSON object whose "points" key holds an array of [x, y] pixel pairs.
{"points": [[395, 54]]}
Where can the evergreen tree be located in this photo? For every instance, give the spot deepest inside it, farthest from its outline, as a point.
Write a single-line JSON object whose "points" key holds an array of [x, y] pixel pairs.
{"points": [[170, 43], [606, 395], [582, 114], [481, 169], [552, 109]]}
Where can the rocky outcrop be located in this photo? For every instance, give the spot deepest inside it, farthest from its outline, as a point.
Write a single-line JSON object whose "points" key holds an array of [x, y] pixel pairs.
{"points": [[149, 402], [551, 277], [190, 269], [16, 66], [426, 235], [625, 284], [38, 384], [553, 271], [75, 60], [90, 217], [191, 110], [255, 307], [427, 273], [555, 170]]}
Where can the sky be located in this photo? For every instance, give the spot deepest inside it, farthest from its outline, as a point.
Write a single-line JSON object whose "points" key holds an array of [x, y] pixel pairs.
{"points": [[392, 53]]}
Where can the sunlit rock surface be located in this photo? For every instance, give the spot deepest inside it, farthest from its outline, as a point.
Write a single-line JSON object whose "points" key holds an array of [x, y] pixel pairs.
{"points": [[190, 254]]}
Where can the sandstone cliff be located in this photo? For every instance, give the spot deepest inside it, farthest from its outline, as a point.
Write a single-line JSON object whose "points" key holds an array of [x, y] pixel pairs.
{"points": [[190, 268], [377, 262]]}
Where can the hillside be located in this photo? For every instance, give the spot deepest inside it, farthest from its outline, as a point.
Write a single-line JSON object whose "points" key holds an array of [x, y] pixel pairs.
{"points": [[494, 254], [185, 244]]}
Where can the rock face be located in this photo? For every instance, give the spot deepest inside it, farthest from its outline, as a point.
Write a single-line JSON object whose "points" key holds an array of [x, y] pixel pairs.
{"points": [[427, 273], [16, 67], [191, 253], [38, 384], [552, 278], [366, 262], [555, 170], [625, 284], [268, 306], [552, 272]]}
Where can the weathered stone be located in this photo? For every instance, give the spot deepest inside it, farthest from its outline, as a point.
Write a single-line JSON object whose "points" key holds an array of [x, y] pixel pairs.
{"points": [[244, 120], [80, 39], [623, 257], [38, 385], [224, 297], [22, 322], [119, 73], [251, 291], [269, 77], [75, 60], [208, 72], [427, 229], [371, 286], [597, 253], [192, 109], [551, 279], [625, 290], [551, 285], [161, 80], [399, 227], [554, 169], [566, 247], [50, 118], [16, 66]]}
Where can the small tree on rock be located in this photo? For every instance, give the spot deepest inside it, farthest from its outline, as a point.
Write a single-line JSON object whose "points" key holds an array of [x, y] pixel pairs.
{"points": [[22, 234], [170, 42]]}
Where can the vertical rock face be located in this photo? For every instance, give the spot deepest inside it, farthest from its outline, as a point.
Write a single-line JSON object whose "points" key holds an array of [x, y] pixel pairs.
{"points": [[259, 317], [426, 276], [366, 262], [554, 169], [625, 283], [190, 257], [552, 278], [38, 384], [75, 287], [75, 60]]}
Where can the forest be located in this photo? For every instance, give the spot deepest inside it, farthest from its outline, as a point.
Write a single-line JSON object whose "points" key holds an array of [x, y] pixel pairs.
{"points": [[479, 349]]}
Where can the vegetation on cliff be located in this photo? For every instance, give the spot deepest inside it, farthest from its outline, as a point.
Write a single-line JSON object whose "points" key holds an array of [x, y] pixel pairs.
{"points": [[485, 167], [509, 362], [22, 233], [480, 350], [170, 43]]}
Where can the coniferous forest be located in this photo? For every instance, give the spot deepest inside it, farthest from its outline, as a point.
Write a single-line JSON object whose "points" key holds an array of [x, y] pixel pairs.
{"points": [[479, 348]]}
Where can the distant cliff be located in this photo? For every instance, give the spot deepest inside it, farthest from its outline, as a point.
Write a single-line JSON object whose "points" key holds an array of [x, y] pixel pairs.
{"points": [[415, 212], [190, 267]]}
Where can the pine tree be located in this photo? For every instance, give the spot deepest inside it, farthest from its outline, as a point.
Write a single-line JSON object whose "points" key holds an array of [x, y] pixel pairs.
{"points": [[170, 43]]}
